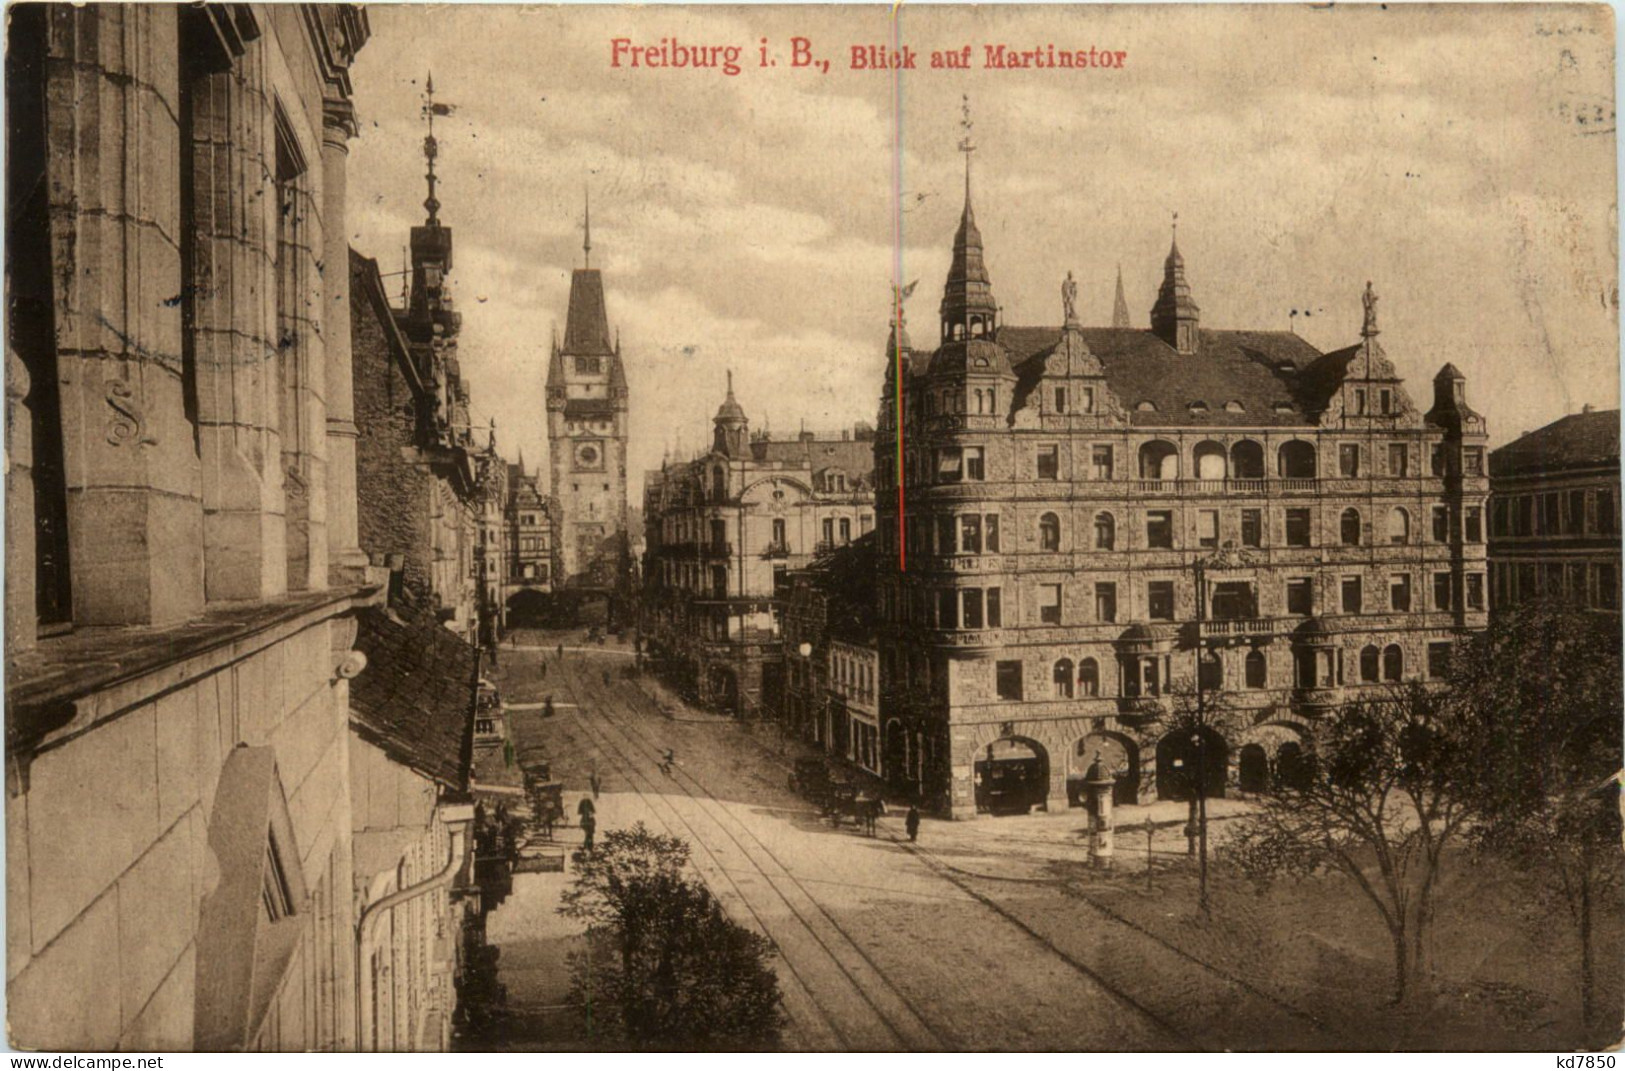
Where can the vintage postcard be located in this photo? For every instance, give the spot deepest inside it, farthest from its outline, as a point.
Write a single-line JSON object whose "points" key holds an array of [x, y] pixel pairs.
{"points": [[886, 528]]}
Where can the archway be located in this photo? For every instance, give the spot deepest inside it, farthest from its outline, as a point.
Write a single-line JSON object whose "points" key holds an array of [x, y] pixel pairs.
{"points": [[1297, 460], [1186, 754], [1012, 776], [1254, 769], [1210, 461], [1292, 769], [1119, 757], [1247, 460], [1159, 460]]}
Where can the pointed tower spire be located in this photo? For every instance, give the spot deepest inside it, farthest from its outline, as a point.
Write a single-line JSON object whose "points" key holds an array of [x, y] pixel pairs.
{"points": [[431, 149], [968, 307], [1120, 305], [586, 229], [1175, 316]]}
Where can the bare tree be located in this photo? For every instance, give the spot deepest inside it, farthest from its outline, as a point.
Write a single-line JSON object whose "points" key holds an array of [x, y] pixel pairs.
{"points": [[1379, 801], [1543, 686]]}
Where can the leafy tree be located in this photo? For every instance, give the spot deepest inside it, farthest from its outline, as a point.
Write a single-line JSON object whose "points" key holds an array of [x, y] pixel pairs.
{"points": [[1544, 687], [664, 964], [1379, 801]]}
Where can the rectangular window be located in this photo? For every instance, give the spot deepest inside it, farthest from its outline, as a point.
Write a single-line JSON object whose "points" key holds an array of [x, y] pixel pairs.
{"points": [[1607, 587], [947, 608], [1359, 402], [1086, 399], [1101, 462], [1441, 591], [1606, 522], [1399, 459], [1438, 660], [1300, 595], [1436, 459], [1252, 528], [1441, 524], [1297, 527], [992, 529], [1049, 462], [945, 535], [1060, 399], [1475, 591], [846, 529], [1207, 528], [1159, 600], [1351, 595], [973, 608], [1348, 459], [1008, 680], [1577, 513], [1475, 524], [950, 465], [1399, 592], [1159, 528], [1523, 516], [970, 534], [1386, 402], [1049, 604], [1550, 506], [829, 532], [1472, 460], [994, 612], [1106, 602], [975, 466]]}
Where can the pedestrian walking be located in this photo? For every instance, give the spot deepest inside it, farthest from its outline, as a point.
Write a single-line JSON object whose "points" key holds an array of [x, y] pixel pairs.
{"points": [[667, 761], [561, 652], [544, 671], [588, 825], [585, 807], [592, 779], [911, 822], [872, 811]]}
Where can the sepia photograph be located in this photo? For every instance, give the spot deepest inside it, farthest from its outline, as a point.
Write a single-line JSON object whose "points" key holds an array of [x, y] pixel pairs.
{"points": [[927, 528]]}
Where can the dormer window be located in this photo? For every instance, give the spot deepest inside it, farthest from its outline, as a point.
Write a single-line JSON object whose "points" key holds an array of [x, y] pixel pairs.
{"points": [[1233, 406], [1286, 368], [1198, 407], [1283, 407], [1147, 407], [587, 366]]}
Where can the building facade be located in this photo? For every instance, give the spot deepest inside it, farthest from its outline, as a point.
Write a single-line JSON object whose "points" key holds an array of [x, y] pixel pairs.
{"points": [[529, 534], [832, 661], [1554, 514], [723, 531], [184, 571], [1085, 509], [587, 402]]}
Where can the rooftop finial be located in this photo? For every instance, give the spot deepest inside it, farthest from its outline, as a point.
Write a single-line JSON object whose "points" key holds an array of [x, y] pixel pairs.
{"points": [[586, 228], [730, 382], [1369, 299], [966, 145], [431, 147]]}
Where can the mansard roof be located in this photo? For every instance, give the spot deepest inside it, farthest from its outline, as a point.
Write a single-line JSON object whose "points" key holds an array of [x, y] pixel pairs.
{"points": [[1259, 369], [586, 326], [855, 457], [1580, 440]]}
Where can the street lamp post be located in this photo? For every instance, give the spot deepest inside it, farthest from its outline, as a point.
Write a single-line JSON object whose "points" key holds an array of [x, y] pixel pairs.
{"points": [[1200, 742]]}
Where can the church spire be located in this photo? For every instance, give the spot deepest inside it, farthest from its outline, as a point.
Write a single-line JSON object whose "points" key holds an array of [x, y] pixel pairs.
{"points": [[586, 229], [1120, 306], [968, 307], [731, 425], [1175, 316]]}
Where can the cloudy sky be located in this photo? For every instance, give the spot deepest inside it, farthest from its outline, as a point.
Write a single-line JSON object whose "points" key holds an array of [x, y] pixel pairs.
{"points": [[1462, 158]]}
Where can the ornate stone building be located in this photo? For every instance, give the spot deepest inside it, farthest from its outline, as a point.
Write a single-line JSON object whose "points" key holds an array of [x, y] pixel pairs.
{"points": [[529, 534], [183, 566], [586, 434], [1554, 514], [1086, 508], [723, 531]]}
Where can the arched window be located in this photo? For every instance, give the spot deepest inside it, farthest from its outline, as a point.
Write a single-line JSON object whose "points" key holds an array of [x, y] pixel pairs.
{"points": [[1351, 527], [979, 402], [1393, 663], [1049, 532], [1209, 458], [1257, 669], [1369, 657], [1247, 460], [1159, 460], [1297, 460], [1210, 670], [1063, 679], [719, 483], [1105, 531], [1088, 678], [1399, 526]]}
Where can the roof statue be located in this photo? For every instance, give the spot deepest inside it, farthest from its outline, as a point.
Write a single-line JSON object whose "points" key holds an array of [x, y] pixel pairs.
{"points": [[1069, 298], [1369, 298]]}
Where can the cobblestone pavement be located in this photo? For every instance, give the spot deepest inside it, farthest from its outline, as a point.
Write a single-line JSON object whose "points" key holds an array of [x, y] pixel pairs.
{"points": [[962, 941]]}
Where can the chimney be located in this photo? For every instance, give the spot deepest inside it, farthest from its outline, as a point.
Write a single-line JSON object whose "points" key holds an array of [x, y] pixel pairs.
{"points": [[807, 436], [846, 436], [1586, 408]]}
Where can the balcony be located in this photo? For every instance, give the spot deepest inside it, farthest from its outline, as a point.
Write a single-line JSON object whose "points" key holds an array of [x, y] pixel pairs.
{"points": [[716, 549], [777, 549], [1238, 627], [1141, 707]]}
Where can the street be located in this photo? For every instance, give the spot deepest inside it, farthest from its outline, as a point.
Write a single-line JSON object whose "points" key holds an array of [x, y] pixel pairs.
{"points": [[950, 944]]}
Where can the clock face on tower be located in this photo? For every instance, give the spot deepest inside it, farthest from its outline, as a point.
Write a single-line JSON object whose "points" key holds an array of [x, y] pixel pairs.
{"points": [[589, 456]]}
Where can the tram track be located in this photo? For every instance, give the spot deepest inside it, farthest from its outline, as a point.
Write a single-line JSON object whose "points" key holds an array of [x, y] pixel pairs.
{"points": [[906, 1030]]}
